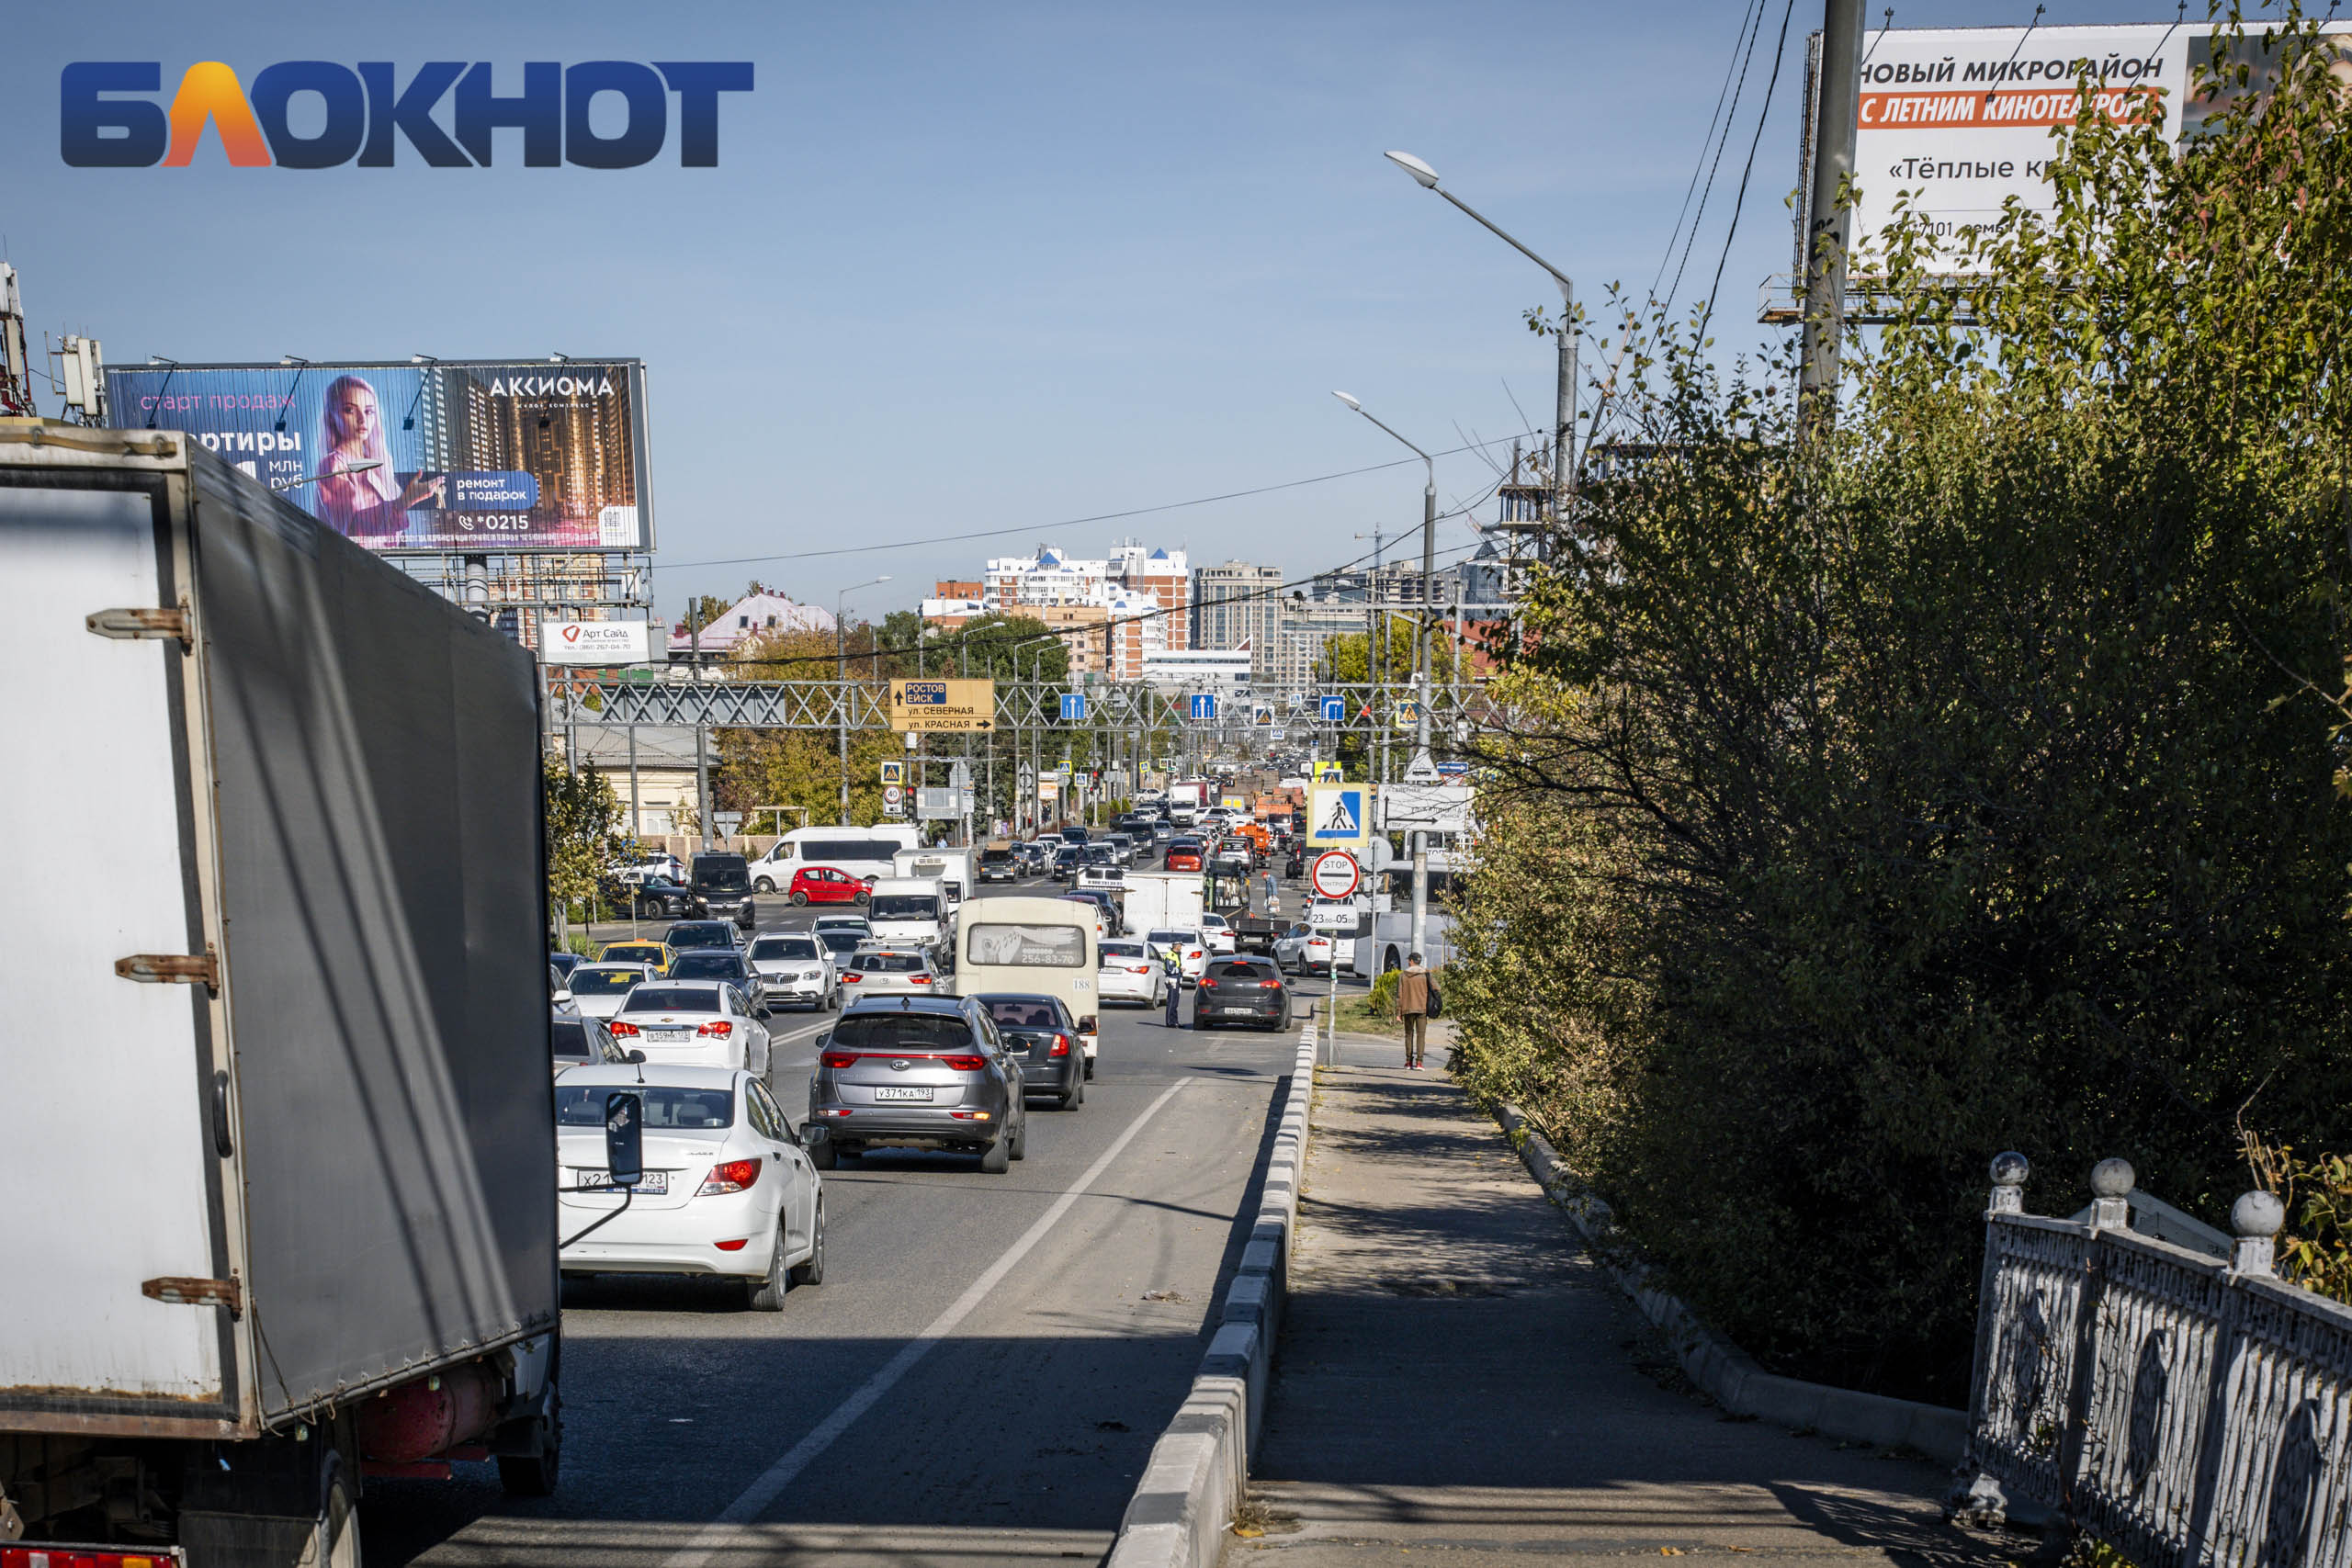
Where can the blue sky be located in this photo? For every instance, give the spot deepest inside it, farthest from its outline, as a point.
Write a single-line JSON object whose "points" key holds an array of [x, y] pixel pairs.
{"points": [[963, 267]]}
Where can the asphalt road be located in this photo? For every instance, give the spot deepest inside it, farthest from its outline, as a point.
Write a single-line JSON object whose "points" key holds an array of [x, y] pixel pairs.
{"points": [[979, 1379]]}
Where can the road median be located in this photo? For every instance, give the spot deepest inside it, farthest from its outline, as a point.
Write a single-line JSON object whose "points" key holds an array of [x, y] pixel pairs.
{"points": [[1199, 1467]]}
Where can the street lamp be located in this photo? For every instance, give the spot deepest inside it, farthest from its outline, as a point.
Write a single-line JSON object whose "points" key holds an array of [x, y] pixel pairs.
{"points": [[1421, 661], [1563, 448], [841, 681]]}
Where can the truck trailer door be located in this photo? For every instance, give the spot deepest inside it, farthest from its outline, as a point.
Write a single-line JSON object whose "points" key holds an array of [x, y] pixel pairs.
{"points": [[120, 1295]]}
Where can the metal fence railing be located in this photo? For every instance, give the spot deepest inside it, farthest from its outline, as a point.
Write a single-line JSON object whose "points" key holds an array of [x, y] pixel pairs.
{"points": [[2183, 1408]]}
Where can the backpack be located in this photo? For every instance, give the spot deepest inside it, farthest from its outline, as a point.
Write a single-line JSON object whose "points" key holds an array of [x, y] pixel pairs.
{"points": [[1437, 1001]]}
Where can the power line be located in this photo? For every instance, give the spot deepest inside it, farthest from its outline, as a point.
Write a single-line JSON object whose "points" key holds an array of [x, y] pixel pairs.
{"points": [[961, 636], [1779, 50], [1713, 117], [1730, 116], [1078, 522]]}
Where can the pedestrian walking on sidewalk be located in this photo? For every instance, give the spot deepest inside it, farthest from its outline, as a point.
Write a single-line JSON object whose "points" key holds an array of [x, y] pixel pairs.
{"points": [[1413, 1008]]}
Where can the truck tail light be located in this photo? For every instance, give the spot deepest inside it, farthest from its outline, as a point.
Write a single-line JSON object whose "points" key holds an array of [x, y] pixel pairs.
{"points": [[717, 1027], [622, 1030], [1061, 1046], [733, 1175]]}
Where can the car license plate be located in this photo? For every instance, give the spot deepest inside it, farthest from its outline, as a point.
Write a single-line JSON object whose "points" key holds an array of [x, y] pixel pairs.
{"points": [[902, 1094], [669, 1034], [1244, 1011], [656, 1182]]}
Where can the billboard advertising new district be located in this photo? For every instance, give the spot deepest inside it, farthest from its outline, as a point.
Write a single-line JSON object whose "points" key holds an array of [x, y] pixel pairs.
{"points": [[470, 455], [1960, 118]]}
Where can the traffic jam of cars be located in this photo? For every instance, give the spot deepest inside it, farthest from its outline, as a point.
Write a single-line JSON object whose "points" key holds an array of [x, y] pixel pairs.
{"points": [[951, 1018]]}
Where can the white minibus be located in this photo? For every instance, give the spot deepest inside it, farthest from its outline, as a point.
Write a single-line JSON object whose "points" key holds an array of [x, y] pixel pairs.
{"points": [[866, 853]]}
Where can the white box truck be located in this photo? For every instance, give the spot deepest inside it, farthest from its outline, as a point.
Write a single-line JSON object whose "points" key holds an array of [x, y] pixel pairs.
{"points": [[1163, 901], [278, 1104]]}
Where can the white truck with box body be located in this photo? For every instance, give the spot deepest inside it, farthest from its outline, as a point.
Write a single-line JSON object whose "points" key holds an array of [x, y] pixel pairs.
{"points": [[952, 868], [279, 1103], [1163, 901]]}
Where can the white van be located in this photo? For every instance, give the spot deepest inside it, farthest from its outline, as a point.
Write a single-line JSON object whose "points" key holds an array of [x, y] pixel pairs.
{"points": [[867, 854], [909, 911], [1034, 946]]}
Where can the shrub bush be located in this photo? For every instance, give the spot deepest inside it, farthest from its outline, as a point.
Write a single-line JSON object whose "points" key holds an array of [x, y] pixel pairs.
{"points": [[1956, 775]]}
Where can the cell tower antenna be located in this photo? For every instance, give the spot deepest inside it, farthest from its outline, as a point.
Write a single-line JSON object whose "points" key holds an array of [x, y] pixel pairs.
{"points": [[16, 365]]}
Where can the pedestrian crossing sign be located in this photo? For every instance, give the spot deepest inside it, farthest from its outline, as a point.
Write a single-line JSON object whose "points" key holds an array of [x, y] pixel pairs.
{"points": [[1336, 815]]}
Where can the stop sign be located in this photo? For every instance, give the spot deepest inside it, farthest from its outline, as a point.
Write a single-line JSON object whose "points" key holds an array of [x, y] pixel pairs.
{"points": [[1335, 874]]}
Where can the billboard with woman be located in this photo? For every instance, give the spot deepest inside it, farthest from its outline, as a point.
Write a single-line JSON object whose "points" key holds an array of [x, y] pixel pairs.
{"points": [[493, 456]]}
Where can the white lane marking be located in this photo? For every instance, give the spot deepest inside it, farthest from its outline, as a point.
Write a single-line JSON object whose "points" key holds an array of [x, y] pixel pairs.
{"points": [[770, 1483]]}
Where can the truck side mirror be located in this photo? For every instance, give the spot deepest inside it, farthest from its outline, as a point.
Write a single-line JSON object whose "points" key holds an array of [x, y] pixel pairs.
{"points": [[624, 1138]]}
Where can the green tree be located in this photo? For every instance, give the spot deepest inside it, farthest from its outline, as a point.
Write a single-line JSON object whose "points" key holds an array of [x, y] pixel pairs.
{"points": [[1946, 779], [584, 839]]}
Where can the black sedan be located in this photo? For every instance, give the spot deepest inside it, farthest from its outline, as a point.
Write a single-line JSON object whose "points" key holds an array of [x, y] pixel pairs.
{"points": [[1242, 991], [1040, 1033]]}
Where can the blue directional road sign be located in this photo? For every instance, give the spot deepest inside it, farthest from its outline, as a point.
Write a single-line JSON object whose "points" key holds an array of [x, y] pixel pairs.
{"points": [[1204, 704], [1335, 710], [1074, 707]]}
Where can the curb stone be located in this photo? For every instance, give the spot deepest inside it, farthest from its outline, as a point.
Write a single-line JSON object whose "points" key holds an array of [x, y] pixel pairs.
{"points": [[1722, 1370], [1199, 1467]]}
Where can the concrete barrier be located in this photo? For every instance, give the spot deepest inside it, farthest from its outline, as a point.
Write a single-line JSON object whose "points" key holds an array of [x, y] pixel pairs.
{"points": [[1721, 1369], [1199, 1467]]}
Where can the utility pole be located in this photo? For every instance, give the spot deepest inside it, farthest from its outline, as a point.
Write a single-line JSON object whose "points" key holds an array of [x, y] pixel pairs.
{"points": [[1829, 225], [1421, 720], [702, 728]]}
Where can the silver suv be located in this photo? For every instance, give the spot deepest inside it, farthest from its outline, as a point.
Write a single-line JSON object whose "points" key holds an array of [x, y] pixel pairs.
{"points": [[916, 1072]]}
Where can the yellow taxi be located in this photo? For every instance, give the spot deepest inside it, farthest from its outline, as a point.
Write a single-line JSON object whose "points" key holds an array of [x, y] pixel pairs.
{"points": [[657, 954]]}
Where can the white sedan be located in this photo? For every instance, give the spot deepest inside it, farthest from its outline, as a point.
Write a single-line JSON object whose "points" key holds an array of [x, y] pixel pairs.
{"points": [[698, 1023], [1219, 934], [796, 969], [1128, 974], [727, 1190], [598, 990], [1192, 952], [892, 972]]}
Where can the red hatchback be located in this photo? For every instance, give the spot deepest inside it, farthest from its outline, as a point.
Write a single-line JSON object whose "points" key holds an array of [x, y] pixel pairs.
{"points": [[823, 884], [1185, 854]]}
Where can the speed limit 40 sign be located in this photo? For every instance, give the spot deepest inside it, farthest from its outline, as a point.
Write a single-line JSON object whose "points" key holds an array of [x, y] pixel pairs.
{"points": [[1335, 874]]}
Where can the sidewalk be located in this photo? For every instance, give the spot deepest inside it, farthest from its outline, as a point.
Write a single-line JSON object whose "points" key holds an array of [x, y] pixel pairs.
{"points": [[1454, 1377]]}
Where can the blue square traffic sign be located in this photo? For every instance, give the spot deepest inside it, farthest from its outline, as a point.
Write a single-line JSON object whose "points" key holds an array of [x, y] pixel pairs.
{"points": [[1335, 710], [1204, 704], [1074, 707]]}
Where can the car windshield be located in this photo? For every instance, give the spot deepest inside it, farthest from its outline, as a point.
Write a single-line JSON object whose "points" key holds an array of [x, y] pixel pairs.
{"points": [[602, 982], [1067, 855], [1176, 939], [707, 966], [702, 934], [995, 857], [570, 1041], [672, 998], [1245, 972], [840, 923], [722, 872], [888, 962], [697, 1110], [1121, 949], [905, 907], [839, 941], [1050, 947], [784, 947], [1023, 1012]]}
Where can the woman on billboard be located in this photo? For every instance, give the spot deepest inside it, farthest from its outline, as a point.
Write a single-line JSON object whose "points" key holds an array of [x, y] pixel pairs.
{"points": [[369, 505]]}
